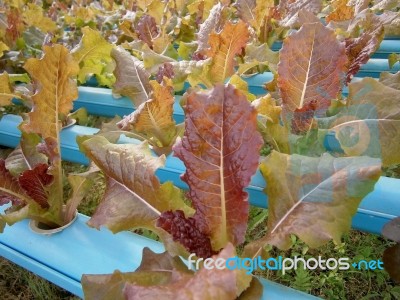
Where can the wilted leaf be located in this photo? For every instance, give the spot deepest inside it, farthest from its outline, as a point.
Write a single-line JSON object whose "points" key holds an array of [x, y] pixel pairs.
{"points": [[220, 151], [80, 116], [92, 54], [302, 190], [152, 60], [109, 130], [392, 26], [154, 118], [311, 68], [224, 48], [134, 196], [132, 79], [157, 10]]}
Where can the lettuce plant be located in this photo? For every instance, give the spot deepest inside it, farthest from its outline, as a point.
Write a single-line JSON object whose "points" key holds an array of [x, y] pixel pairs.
{"points": [[220, 149], [32, 178], [312, 192]]}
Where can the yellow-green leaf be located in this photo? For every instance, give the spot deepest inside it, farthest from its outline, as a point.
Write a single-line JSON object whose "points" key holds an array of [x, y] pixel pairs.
{"points": [[3, 47], [153, 119], [242, 85], [93, 54], [34, 16], [6, 93]]}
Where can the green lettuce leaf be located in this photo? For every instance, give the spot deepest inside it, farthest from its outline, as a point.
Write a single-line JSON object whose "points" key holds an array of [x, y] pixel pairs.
{"points": [[93, 54]]}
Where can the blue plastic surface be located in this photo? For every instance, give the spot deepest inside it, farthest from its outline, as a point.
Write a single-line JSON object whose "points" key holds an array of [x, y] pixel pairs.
{"points": [[100, 101], [386, 47], [64, 257], [380, 206]]}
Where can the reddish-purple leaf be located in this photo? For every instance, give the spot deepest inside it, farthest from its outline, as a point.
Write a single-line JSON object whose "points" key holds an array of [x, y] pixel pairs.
{"points": [[312, 65], [147, 30], [220, 150], [9, 187], [360, 49], [185, 231], [245, 9], [34, 182], [303, 118], [165, 70]]}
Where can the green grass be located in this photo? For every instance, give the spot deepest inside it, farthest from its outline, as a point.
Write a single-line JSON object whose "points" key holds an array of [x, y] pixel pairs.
{"points": [[17, 283], [335, 284]]}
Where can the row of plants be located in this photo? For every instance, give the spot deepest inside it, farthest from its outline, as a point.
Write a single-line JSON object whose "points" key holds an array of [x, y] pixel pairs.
{"points": [[312, 192]]}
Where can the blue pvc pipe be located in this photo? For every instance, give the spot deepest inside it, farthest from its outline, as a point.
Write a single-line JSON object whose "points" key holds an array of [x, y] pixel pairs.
{"points": [[379, 207], [387, 47], [100, 101], [64, 257]]}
